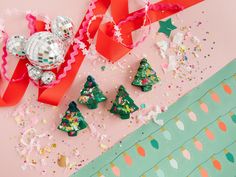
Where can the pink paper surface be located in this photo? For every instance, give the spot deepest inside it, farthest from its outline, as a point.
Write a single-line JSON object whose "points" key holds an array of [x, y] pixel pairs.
{"points": [[212, 22]]}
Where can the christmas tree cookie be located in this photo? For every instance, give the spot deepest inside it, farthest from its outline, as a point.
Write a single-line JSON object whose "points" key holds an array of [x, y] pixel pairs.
{"points": [[91, 95], [123, 104], [73, 121], [146, 77]]}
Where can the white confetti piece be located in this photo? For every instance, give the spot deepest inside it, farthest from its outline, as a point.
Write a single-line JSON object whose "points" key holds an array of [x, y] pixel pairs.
{"points": [[172, 63], [158, 121], [24, 167], [163, 46], [195, 40], [152, 115], [43, 162], [76, 152], [157, 109], [178, 38]]}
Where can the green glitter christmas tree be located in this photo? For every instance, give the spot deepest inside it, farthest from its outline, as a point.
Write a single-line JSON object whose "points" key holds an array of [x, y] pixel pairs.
{"points": [[91, 95], [146, 77], [73, 121], [123, 104]]}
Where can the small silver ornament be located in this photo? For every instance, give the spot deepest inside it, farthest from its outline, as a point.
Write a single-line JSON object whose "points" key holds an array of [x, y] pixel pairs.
{"points": [[48, 77], [62, 27], [45, 51], [16, 46], [34, 72]]}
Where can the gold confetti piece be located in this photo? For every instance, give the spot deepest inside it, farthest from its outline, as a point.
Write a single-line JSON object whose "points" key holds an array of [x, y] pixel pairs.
{"points": [[55, 107], [62, 161], [41, 151], [44, 121], [34, 162], [54, 145], [47, 149], [103, 146]]}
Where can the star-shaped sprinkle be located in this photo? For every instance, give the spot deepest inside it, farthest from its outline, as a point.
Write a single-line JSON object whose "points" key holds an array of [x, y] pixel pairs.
{"points": [[90, 41], [85, 51], [166, 27], [117, 33]]}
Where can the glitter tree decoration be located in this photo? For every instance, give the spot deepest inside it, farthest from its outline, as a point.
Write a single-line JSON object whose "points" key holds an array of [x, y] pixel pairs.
{"points": [[123, 104], [73, 121], [91, 95], [146, 77]]}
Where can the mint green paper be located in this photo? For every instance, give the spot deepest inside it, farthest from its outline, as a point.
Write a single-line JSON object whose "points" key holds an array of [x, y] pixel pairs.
{"points": [[174, 149]]}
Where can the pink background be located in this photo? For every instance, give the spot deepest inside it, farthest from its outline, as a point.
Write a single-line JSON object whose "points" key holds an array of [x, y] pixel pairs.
{"points": [[216, 31]]}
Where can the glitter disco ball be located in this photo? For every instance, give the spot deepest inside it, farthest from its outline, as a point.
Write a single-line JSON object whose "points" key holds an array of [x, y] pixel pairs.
{"points": [[62, 27], [45, 51], [34, 72], [16, 46]]}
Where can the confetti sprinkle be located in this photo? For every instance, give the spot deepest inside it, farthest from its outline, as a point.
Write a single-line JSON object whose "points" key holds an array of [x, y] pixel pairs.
{"points": [[143, 105], [62, 161], [103, 68], [178, 38]]}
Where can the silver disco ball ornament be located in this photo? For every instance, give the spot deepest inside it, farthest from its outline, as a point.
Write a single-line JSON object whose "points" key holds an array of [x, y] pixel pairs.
{"points": [[45, 51], [62, 27], [16, 46], [48, 77], [34, 72]]}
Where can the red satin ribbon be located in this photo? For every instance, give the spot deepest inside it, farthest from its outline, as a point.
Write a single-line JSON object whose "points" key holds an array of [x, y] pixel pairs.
{"points": [[105, 45]]}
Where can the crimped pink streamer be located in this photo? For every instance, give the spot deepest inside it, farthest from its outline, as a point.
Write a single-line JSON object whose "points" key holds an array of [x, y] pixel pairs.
{"points": [[166, 6], [4, 56], [4, 60], [157, 7], [133, 17], [31, 23]]}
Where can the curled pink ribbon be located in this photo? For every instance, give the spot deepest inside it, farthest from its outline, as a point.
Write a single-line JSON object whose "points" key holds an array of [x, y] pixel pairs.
{"points": [[148, 6], [31, 23]]}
